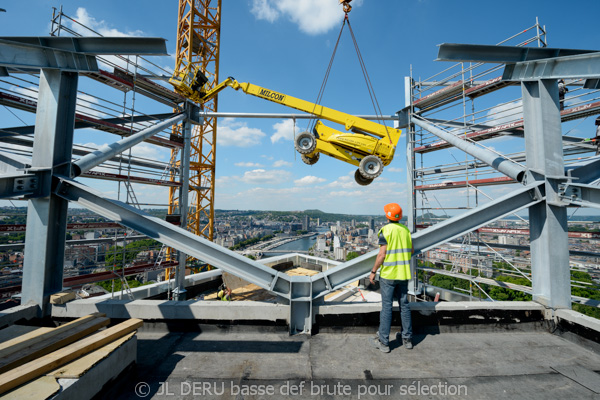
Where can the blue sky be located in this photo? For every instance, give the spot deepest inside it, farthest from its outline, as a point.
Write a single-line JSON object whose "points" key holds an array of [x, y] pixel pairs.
{"points": [[286, 45]]}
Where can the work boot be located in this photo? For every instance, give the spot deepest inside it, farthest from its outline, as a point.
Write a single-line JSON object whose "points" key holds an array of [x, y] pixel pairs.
{"points": [[407, 343], [376, 343]]}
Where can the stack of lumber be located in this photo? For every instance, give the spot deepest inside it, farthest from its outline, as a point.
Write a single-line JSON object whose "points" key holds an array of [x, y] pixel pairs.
{"points": [[244, 291], [46, 354]]}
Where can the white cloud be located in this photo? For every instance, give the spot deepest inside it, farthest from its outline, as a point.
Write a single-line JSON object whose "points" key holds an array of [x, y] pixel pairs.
{"points": [[87, 105], [142, 150], [282, 163], [91, 145], [31, 91], [105, 29], [353, 198], [309, 180], [344, 182], [151, 152], [283, 130], [261, 176], [394, 169], [346, 193], [84, 18], [505, 113], [225, 182], [263, 10], [248, 165], [232, 133], [312, 16]]}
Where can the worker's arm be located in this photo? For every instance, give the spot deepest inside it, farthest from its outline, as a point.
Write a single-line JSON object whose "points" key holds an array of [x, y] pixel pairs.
{"points": [[378, 262]]}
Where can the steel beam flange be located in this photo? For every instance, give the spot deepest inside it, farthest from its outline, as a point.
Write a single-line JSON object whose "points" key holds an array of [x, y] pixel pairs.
{"points": [[569, 192], [17, 185], [195, 115], [281, 285], [581, 195]]}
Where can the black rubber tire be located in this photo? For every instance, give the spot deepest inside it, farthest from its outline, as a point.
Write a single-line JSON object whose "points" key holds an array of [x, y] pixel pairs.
{"points": [[370, 167], [305, 143], [310, 160], [361, 180]]}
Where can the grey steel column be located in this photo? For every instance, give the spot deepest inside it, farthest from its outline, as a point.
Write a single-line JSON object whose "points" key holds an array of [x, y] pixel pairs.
{"points": [[179, 291], [548, 220], [47, 216], [413, 285]]}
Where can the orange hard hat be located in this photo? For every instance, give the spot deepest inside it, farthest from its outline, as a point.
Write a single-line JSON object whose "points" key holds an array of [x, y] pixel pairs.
{"points": [[393, 211]]}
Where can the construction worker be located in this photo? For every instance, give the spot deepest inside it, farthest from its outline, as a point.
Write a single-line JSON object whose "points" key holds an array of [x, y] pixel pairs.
{"points": [[395, 251], [562, 90], [224, 294]]}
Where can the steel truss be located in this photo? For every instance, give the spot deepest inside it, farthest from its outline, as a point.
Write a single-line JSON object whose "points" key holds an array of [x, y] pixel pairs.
{"points": [[49, 185]]}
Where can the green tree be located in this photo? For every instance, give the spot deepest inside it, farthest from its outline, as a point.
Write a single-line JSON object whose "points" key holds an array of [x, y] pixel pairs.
{"points": [[351, 255], [118, 284], [115, 254]]}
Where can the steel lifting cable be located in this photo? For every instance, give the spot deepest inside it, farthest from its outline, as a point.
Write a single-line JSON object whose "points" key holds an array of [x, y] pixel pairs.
{"points": [[363, 67], [311, 122], [370, 88]]}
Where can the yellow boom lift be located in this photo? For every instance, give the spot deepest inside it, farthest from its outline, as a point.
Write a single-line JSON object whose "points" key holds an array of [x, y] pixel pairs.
{"points": [[369, 145]]}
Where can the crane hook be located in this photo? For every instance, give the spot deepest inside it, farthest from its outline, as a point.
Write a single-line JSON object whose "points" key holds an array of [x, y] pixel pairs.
{"points": [[346, 5]]}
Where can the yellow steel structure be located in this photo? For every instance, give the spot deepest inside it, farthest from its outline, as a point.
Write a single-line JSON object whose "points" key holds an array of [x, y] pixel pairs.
{"points": [[370, 146], [197, 54]]}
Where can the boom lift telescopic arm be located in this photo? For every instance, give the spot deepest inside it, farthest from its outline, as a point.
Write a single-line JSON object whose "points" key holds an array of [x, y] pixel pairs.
{"points": [[350, 122]]}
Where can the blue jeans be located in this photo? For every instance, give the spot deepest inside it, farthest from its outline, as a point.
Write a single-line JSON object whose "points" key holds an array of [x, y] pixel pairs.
{"points": [[390, 289]]}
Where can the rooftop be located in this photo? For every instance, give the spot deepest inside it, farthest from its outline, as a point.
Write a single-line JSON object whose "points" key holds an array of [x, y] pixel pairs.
{"points": [[519, 360]]}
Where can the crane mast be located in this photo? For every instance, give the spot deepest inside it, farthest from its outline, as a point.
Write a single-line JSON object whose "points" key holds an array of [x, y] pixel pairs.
{"points": [[198, 44]]}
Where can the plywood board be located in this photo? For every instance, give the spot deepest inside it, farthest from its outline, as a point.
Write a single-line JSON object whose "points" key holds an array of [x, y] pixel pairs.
{"points": [[80, 366], [41, 388]]}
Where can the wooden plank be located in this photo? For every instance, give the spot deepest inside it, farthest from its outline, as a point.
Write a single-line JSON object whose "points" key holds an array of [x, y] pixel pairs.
{"points": [[51, 344], [38, 335], [14, 331], [77, 368], [41, 388], [62, 298], [49, 362]]}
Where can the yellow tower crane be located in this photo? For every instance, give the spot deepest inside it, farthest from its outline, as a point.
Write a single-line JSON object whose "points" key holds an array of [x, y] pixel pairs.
{"points": [[197, 55]]}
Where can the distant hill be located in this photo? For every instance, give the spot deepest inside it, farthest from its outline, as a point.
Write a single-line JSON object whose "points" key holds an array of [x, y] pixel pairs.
{"points": [[286, 216]]}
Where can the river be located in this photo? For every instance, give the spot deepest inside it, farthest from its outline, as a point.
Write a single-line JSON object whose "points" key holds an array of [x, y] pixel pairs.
{"points": [[301, 244]]}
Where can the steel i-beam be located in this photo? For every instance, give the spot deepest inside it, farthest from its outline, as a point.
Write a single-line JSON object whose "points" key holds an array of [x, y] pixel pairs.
{"points": [[47, 216]]}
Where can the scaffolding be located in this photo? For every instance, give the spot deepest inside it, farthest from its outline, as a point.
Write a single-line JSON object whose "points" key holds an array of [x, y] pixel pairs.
{"points": [[473, 102], [129, 86]]}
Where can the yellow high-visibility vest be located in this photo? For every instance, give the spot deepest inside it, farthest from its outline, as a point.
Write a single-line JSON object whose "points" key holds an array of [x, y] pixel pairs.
{"points": [[396, 265]]}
